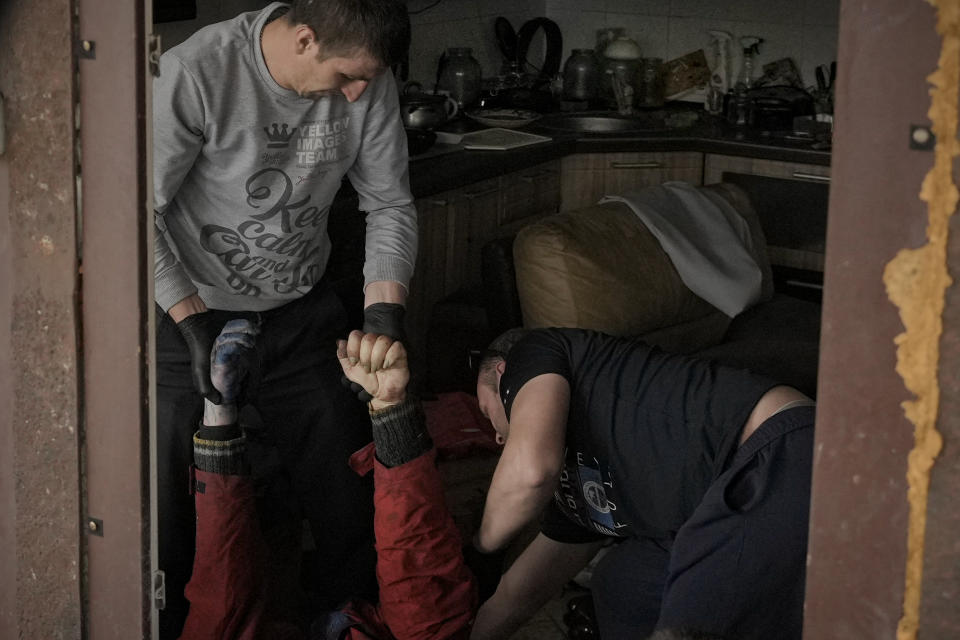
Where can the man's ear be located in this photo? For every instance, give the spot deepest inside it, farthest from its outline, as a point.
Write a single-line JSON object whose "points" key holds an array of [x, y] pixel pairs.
{"points": [[306, 37], [501, 367]]}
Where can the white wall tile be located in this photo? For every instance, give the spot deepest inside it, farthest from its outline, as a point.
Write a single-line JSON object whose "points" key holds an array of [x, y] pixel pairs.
{"points": [[446, 11], [821, 12], [768, 11], [638, 7], [579, 28], [650, 32], [819, 48]]}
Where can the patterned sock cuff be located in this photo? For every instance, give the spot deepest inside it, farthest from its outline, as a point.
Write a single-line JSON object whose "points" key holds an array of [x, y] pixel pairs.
{"points": [[400, 433], [226, 457]]}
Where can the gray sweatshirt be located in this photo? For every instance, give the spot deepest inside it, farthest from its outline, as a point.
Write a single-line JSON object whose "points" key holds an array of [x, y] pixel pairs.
{"points": [[245, 172]]}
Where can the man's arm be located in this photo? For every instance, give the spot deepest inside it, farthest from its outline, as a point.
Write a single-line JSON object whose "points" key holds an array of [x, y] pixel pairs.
{"points": [[535, 577], [381, 178], [529, 466], [426, 590], [178, 127]]}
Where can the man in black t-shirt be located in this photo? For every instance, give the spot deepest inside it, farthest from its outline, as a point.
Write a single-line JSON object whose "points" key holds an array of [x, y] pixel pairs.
{"points": [[700, 473]]}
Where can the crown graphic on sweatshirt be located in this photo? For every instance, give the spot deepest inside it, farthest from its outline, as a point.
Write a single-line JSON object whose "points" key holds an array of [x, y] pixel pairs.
{"points": [[277, 136]]}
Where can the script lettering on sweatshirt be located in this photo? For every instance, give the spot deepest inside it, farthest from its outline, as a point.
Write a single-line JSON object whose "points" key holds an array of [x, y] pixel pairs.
{"points": [[276, 246]]}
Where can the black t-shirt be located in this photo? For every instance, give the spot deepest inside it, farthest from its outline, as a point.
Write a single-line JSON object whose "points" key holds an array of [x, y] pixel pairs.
{"points": [[647, 431]]}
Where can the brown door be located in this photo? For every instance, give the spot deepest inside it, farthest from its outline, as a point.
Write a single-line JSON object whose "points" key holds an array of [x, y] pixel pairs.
{"points": [[861, 519]]}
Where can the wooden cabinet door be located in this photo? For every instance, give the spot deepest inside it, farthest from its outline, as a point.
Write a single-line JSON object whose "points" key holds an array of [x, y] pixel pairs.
{"points": [[587, 177], [630, 171], [528, 194], [475, 212], [430, 275], [581, 180]]}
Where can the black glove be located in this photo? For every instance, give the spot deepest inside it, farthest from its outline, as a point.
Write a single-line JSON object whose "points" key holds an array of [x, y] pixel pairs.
{"points": [[199, 331], [386, 319], [359, 391]]}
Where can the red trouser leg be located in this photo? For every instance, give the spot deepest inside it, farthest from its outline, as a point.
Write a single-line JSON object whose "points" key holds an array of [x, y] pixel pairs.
{"points": [[224, 591], [426, 590]]}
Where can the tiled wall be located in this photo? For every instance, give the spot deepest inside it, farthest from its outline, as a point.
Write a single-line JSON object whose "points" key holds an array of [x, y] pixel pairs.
{"points": [[463, 23], [805, 30], [208, 12]]}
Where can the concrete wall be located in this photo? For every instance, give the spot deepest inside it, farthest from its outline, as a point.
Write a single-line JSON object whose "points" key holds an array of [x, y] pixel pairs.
{"points": [[40, 551]]}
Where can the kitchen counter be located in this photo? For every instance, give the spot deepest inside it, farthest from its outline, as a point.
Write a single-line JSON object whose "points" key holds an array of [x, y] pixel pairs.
{"points": [[450, 167]]}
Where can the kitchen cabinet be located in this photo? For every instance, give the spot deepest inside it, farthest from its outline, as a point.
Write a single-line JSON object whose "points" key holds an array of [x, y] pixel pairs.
{"points": [[454, 226], [587, 177], [791, 202]]}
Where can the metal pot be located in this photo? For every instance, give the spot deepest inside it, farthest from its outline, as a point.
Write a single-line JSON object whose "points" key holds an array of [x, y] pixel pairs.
{"points": [[425, 111]]}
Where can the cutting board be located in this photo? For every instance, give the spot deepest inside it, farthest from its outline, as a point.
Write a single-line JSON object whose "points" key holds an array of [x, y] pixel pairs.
{"points": [[499, 139]]}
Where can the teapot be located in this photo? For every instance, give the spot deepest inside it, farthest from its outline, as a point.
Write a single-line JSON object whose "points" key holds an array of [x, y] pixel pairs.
{"points": [[420, 110]]}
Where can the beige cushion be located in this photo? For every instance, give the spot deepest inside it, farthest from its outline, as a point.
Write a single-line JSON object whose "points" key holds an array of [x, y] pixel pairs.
{"points": [[600, 268]]}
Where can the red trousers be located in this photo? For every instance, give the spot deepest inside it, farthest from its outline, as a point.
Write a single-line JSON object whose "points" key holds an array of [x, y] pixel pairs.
{"points": [[426, 590]]}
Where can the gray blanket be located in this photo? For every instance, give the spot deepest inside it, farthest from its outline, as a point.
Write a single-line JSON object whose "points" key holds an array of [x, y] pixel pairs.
{"points": [[706, 239]]}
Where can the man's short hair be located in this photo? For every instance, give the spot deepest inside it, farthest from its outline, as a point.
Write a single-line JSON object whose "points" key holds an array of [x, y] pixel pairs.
{"points": [[497, 351], [343, 27]]}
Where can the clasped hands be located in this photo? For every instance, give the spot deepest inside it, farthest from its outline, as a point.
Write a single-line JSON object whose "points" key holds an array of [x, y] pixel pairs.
{"points": [[377, 363]]}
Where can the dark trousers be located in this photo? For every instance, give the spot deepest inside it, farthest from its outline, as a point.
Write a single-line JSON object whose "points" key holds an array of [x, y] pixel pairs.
{"points": [[737, 566], [311, 425]]}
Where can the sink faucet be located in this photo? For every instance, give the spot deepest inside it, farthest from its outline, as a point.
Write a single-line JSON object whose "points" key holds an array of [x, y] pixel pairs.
{"points": [[623, 92]]}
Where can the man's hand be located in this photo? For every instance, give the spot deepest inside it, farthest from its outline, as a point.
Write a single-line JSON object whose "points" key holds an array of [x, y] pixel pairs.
{"points": [[199, 331], [378, 364], [230, 362]]}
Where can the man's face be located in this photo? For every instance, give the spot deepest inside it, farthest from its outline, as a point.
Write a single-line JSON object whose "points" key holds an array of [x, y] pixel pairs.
{"points": [[348, 74], [491, 406]]}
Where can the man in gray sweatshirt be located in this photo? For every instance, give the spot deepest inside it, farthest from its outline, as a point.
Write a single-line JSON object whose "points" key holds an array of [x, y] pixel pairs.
{"points": [[256, 122]]}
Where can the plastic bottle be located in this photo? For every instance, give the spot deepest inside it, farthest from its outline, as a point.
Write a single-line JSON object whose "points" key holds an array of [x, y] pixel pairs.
{"points": [[751, 47], [738, 103], [720, 77]]}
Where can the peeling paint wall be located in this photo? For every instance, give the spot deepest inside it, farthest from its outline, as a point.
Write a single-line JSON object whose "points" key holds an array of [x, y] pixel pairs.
{"points": [[860, 513], [916, 281], [41, 591]]}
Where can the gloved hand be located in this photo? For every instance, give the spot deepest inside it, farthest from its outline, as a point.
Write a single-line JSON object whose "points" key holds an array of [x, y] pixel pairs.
{"points": [[199, 331], [233, 358], [385, 319]]}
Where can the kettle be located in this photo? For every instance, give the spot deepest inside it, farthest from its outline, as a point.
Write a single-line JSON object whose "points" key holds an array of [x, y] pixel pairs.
{"points": [[420, 110]]}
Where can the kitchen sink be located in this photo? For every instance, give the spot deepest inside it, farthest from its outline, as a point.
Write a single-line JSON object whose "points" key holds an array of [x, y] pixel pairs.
{"points": [[611, 122]]}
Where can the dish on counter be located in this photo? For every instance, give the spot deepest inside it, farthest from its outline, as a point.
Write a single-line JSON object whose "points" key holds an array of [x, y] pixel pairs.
{"points": [[504, 118]]}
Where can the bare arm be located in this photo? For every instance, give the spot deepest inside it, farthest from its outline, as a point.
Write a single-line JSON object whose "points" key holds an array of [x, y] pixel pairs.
{"points": [[384, 291], [529, 467], [187, 307], [535, 577]]}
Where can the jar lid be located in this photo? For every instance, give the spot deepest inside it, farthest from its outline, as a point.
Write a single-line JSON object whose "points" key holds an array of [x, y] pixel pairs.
{"points": [[622, 48]]}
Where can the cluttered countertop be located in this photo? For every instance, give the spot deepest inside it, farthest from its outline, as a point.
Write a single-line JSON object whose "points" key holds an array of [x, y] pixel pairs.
{"points": [[608, 99], [682, 127]]}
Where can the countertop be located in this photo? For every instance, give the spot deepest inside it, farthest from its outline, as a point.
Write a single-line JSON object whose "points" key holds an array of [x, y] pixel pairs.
{"points": [[444, 167]]}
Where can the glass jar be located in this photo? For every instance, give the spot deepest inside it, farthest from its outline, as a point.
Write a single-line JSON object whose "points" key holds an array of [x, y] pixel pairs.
{"points": [[580, 75], [650, 83], [460, 76]]}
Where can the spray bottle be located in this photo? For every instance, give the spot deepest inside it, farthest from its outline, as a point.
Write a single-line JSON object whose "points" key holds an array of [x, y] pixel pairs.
{"points": [[720, 77], [738, 105], [751, 48]]}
